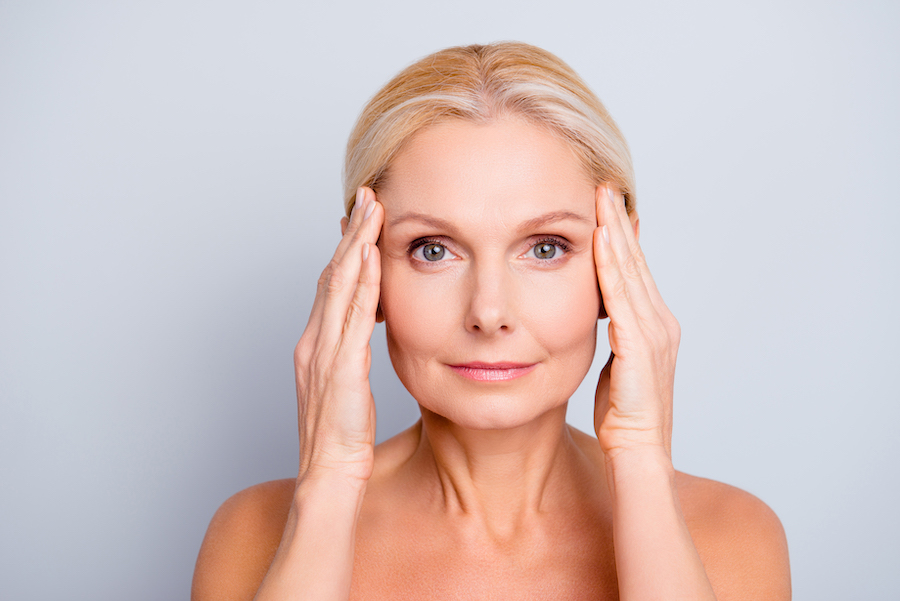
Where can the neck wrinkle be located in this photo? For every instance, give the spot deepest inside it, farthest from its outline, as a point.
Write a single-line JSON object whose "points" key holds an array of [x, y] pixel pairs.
{"points": [[499, 477]]}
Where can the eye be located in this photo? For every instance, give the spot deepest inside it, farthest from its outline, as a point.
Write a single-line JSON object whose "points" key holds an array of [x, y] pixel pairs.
{"points": [[431, 251], [544, 250], [548, 249]]}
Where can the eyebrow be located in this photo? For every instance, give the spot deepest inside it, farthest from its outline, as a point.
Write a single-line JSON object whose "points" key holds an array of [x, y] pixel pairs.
{"points": [[535, 223]]}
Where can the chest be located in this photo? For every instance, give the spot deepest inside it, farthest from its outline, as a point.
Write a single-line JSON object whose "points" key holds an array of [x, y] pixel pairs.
{"points": [[421, 563]]}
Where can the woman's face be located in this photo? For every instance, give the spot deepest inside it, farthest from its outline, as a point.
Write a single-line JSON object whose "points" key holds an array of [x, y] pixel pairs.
{"points": [[489, 290]]}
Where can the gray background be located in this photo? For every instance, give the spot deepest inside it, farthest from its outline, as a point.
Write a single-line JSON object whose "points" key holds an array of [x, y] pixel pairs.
{"points": [[170, 190]]}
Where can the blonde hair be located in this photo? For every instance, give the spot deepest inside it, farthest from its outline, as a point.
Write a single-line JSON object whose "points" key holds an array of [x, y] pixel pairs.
{"points": [[479, 83]]}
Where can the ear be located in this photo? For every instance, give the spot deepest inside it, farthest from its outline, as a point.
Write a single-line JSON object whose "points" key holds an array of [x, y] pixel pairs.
{"points": [[345, 221]]}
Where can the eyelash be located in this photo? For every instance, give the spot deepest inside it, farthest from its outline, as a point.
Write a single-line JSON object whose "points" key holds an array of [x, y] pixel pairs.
{"points": [[565, 246], [422, 242], [417, 244], [558, 242]]}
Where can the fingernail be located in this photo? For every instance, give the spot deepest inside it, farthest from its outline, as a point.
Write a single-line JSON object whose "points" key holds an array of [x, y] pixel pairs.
{"points": [[360, 198], [369, 208], [610, 194], [605, 231], [365, 251]]}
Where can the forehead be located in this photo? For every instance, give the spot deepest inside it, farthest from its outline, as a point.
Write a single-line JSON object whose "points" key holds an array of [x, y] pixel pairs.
{"points": [[501, 170]]}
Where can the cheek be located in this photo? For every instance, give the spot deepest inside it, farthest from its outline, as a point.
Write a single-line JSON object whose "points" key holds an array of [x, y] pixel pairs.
{"points": [[415, 314], [564, 314]]}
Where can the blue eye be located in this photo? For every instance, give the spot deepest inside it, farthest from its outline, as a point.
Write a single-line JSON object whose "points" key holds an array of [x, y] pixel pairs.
{"points": [[431, 251]]}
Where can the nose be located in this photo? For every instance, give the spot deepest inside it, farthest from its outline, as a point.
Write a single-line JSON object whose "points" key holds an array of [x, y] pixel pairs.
{"points": [[490, 303]]}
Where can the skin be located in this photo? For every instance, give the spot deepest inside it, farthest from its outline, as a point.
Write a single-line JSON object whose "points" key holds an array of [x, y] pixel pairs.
{"points": [[491, 494]]}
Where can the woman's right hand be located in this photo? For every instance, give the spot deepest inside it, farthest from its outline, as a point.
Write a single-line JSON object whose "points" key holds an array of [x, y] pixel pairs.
{"points": [[336, 410]]}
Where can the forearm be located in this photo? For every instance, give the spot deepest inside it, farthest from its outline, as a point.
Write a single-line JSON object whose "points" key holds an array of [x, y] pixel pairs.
{"points": [[315, 557], [655, 555]]}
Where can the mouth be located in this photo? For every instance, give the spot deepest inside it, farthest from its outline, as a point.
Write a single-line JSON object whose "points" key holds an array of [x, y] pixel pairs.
{"points": [[493, 372]]}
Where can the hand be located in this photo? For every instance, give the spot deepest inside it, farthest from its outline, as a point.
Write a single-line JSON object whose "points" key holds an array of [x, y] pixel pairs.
{"points": [[633, 404], [332, 360]]}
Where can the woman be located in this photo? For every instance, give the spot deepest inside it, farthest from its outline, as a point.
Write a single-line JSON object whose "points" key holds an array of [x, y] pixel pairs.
{"points": [[491, 223]]}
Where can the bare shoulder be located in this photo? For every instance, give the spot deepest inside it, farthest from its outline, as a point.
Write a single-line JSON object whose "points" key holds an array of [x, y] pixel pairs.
{"points": [[739, 538], [393, 453], [241, 541]]}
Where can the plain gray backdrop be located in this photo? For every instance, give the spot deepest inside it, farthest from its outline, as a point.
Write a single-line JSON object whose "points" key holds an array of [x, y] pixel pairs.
{"points": [[170, 191]]}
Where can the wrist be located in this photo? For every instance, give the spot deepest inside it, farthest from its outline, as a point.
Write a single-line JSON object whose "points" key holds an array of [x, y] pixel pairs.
{"points": [[328, 468], [329, 484], [615, 440], [638, 452], [647, 462]]}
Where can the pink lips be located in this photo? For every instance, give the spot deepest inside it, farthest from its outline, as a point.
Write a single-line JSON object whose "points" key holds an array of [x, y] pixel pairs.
{"points": [[493, 372]]}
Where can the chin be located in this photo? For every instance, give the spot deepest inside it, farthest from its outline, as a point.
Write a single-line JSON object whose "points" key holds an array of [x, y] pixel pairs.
{"points": [[490, 411]]}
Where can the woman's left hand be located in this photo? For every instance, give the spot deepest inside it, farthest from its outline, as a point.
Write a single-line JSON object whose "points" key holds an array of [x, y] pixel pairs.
{"points": [[633, 407]]}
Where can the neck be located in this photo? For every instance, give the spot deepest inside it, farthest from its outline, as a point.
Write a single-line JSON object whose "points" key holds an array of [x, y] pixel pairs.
{"points": [[503, 478]]}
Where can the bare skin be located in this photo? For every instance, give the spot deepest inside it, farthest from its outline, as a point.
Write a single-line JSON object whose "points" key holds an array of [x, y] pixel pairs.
{"points": [[739, 539], [489, 287]]}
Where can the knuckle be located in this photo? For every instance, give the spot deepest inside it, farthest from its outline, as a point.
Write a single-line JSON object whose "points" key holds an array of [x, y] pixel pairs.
{"points": [[335, 281], [371, 285], [303, 350], [356, 310], [326, 273], [353, 312], [630, 266], [638, 255], [674, 330]]}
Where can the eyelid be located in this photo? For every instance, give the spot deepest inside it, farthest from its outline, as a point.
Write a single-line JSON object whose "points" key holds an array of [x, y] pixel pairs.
{"points": [[415, 245], [564, 245], [557, 241]]}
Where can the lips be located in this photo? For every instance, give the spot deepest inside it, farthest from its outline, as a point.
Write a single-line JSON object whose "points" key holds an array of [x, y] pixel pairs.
{"points": [[493, 372]]}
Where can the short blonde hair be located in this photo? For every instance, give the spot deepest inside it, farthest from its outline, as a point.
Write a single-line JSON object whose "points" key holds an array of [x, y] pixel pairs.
{"points": [[479, 83]]}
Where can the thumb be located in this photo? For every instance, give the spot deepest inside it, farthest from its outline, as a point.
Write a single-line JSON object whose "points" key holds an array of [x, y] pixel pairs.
{"points": [[601, 397]]}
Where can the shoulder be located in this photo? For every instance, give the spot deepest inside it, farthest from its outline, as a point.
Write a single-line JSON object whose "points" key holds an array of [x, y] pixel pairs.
{"points": [[395, 452], [241, 541], [739, 538]]}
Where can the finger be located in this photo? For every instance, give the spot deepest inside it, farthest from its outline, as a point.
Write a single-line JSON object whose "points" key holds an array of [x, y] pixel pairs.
{"points": [[628, 253], [361, 314], [601, 397], [637, 252], [602, 394], [344, 278], [365, 197], [624, 294]]}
